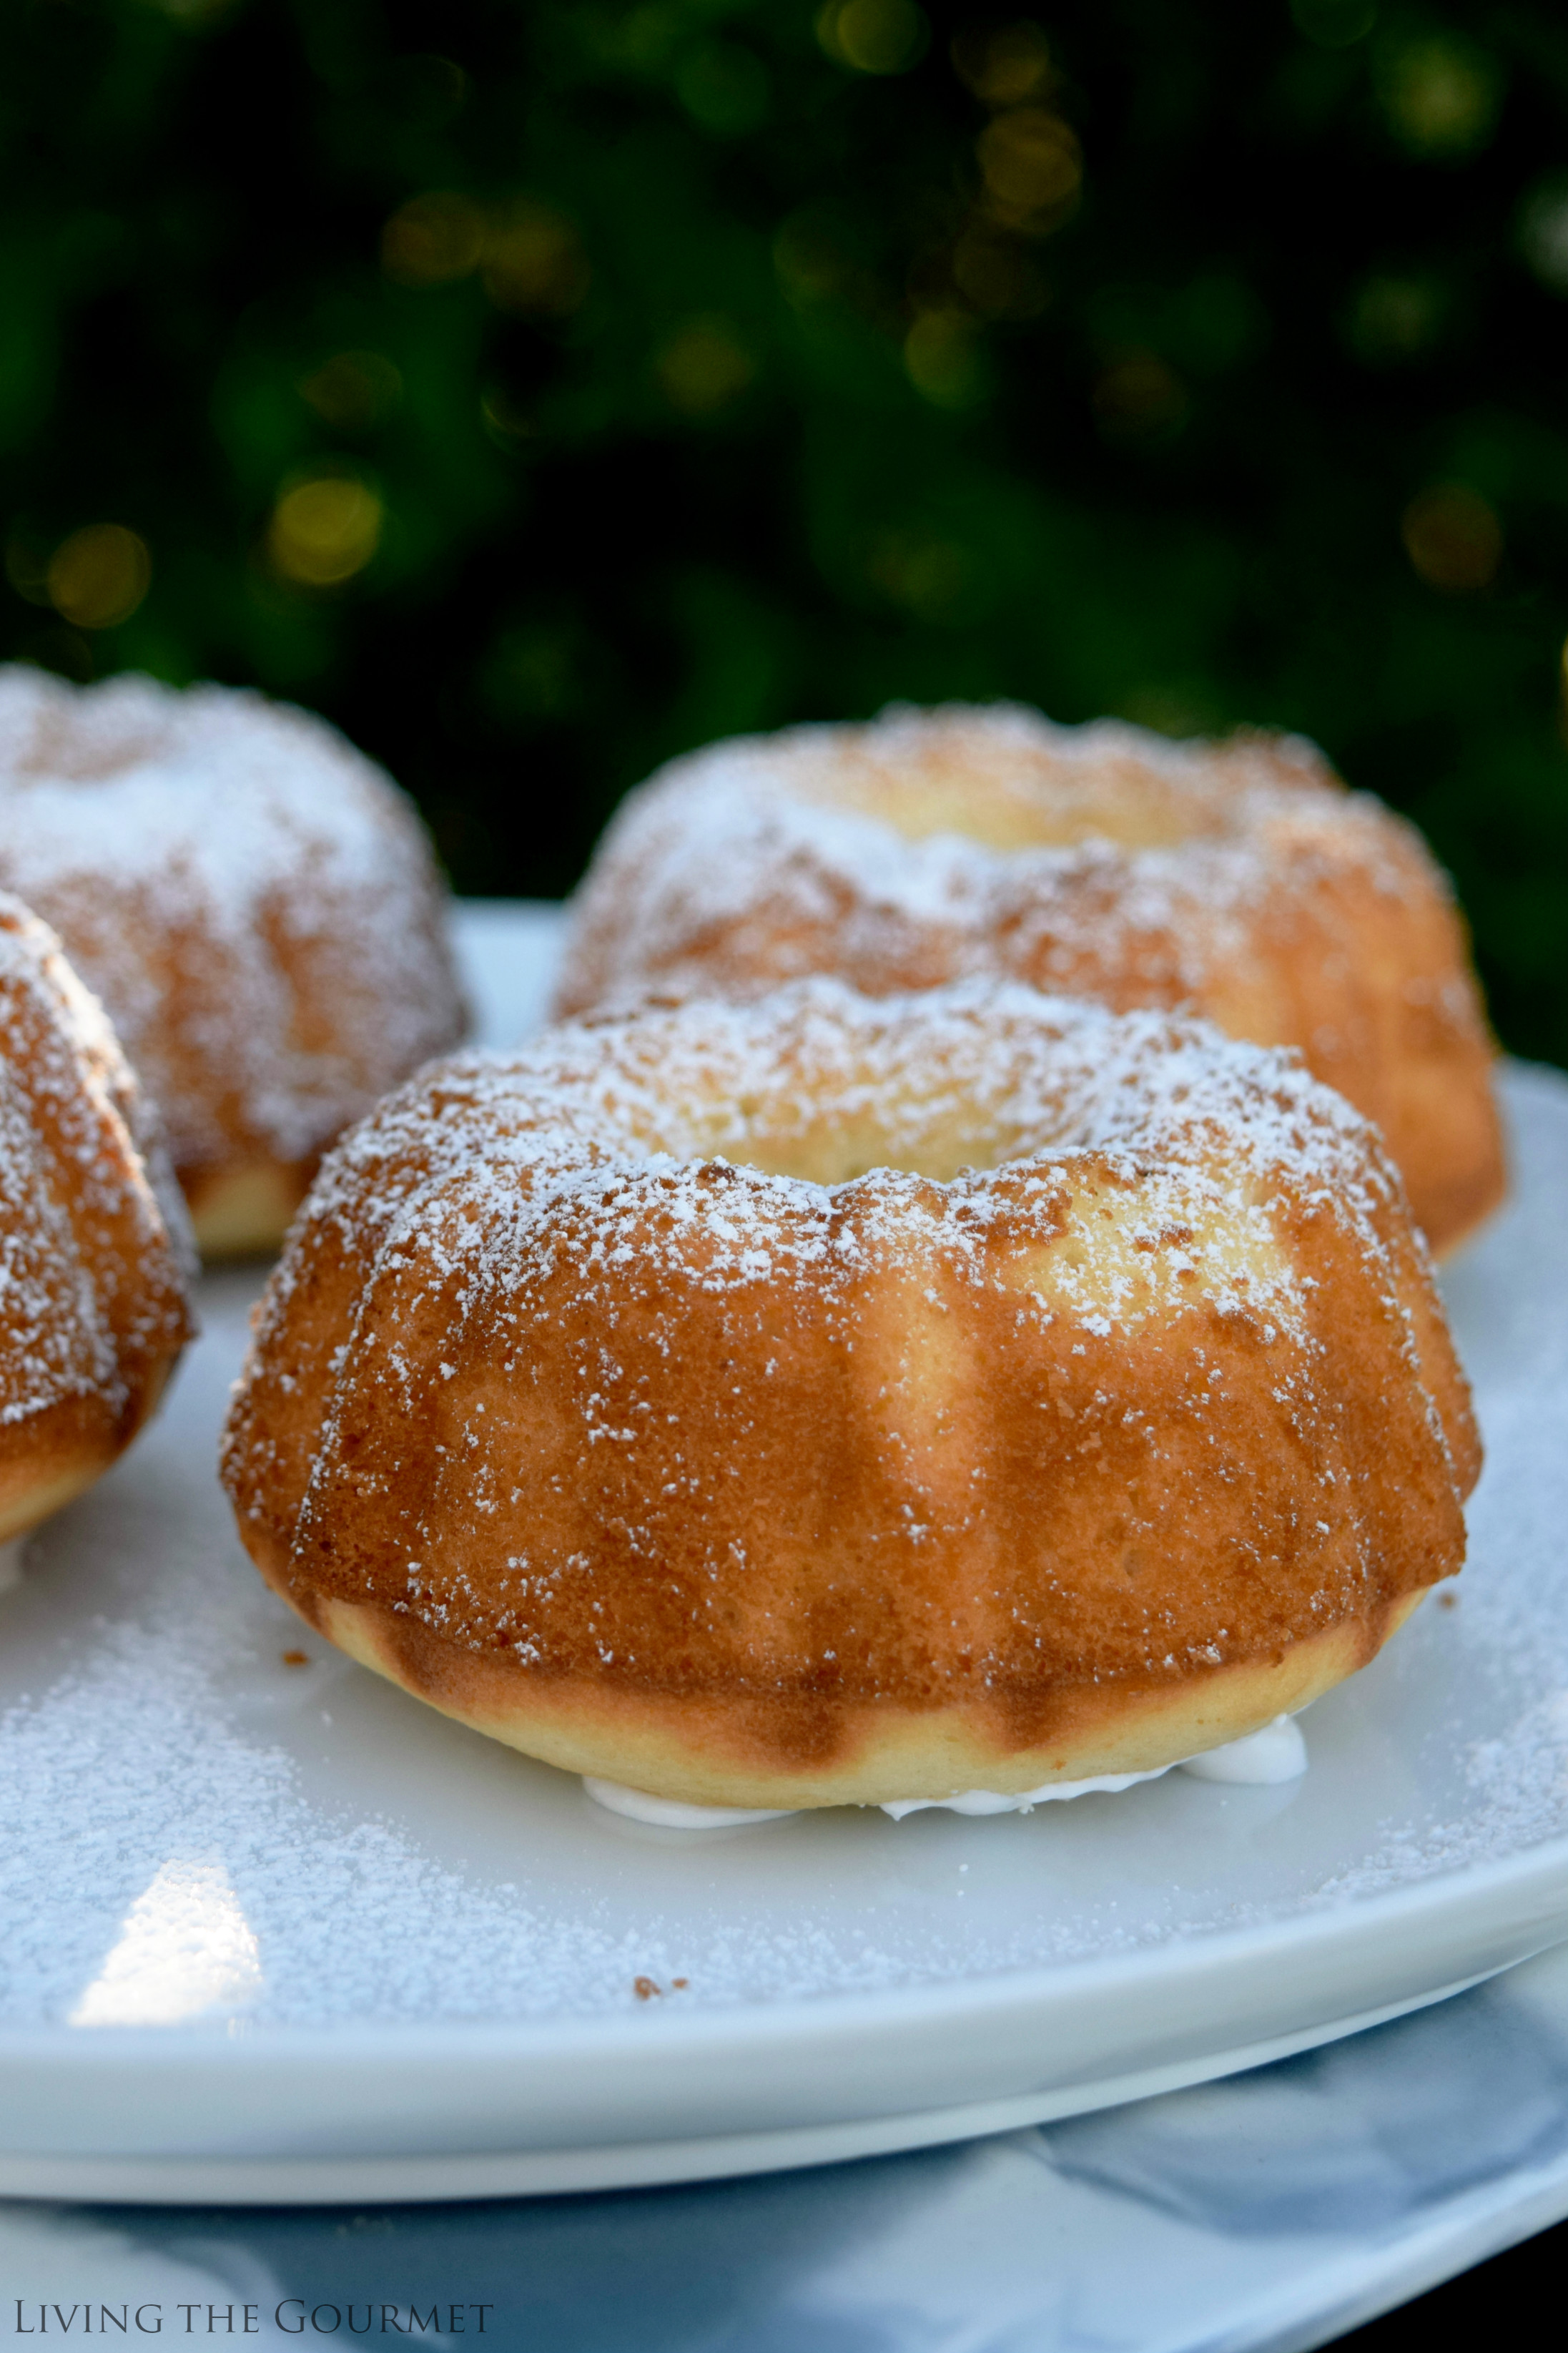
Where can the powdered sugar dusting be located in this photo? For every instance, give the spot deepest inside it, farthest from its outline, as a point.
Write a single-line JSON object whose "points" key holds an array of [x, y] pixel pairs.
{"points": [[389, 1865], [1109, 849], [94, 1240], [639, 1119], [823, 1145], [546, 1373], [251, 898]]}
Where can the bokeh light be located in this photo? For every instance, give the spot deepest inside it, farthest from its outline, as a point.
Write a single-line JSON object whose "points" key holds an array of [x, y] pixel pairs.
{"points": [[534, 263], [1004, 64], [1139, 395], [353, 390], [1396, 318], [434, 240], [325, 530], [98, 578], [1453, 537], [941, 354], [875, 37], [1032, 166], [703, 366], [994, 278], [933, 578], [1441, 95], [1198, 367], [1544, 232]]}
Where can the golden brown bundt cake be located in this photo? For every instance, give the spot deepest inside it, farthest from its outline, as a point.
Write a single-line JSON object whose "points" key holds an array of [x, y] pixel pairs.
{"points": [[255, 905], [94, 1249], [826, 1400], [1240, 879]]}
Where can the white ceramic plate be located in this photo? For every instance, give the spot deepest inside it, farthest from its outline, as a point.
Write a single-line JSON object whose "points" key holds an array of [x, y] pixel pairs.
{"points": [[273, 1931]]}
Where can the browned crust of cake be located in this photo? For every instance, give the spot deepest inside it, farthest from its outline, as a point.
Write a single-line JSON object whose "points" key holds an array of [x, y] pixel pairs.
{"points": [[265, 923], [1339, 936], [242, 1195], [94, 1311], [52, 1456], [812, 1749], [729, 1485]]}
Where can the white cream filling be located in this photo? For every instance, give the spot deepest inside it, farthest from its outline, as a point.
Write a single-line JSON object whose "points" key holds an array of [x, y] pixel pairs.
{"points": [[670, 1815], [11, 1556], [1277, 1753]]}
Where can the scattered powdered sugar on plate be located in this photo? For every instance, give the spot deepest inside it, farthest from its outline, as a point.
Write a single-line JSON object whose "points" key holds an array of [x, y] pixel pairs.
{"points": [[125, 1779], [197, 1829]]}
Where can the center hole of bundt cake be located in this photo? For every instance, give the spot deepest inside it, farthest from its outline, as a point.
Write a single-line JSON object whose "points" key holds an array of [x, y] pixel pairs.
{"points": [[832, 1150], [1022, 803]]}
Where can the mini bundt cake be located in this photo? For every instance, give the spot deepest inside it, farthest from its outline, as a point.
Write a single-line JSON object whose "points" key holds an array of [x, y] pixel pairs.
{"points": [[824, 1400], [1238, 880], [94, 1243], [255, 905]]}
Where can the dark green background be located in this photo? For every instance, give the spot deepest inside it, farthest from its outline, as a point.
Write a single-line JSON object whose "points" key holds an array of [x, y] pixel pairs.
{"points": [[683, 479]]}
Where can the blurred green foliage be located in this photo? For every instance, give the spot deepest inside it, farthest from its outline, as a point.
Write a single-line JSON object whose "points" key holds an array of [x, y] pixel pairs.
{"points": [[539, 389]]}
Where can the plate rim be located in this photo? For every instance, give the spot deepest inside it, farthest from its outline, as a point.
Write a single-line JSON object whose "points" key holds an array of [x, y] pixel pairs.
{"points": [[1186, 1955], [1495, 1909]]}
